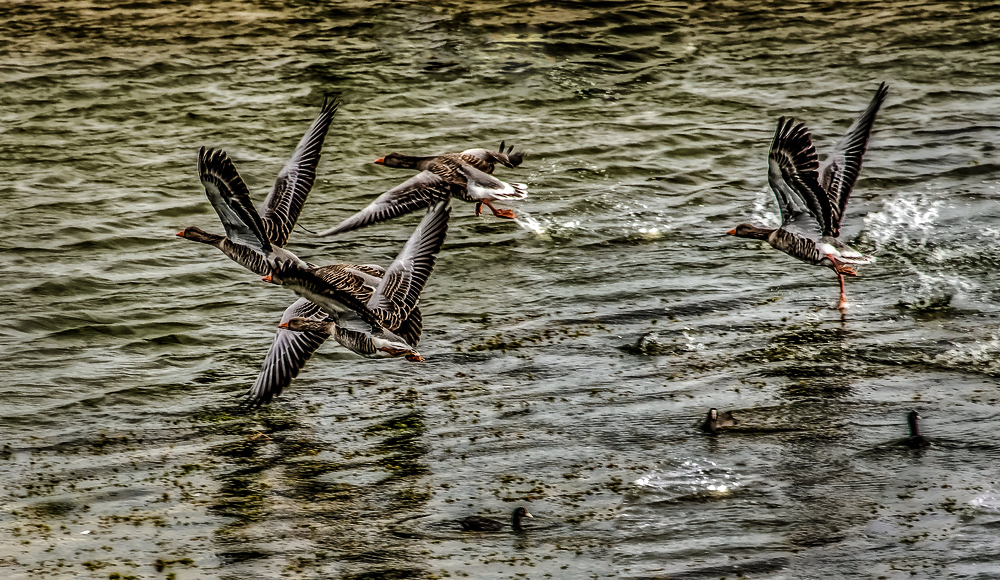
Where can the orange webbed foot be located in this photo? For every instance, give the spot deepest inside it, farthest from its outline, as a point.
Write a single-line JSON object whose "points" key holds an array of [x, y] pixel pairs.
{"points": [[504, 213]]}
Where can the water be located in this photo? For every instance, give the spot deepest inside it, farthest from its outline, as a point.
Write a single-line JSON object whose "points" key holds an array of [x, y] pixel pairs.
{"points": [[569, 356]]}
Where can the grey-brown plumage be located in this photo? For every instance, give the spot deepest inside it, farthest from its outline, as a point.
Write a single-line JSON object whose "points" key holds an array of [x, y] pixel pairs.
{"points": [[384, 302], [813, 198], [484, 524], [465, 175], [254, 239], [288, 353], [716, 421]]}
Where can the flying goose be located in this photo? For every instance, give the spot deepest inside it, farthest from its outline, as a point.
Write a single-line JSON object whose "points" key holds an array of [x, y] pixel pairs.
{"points": [[370, 310], [464, 175], [254, 239], [813, 198]]}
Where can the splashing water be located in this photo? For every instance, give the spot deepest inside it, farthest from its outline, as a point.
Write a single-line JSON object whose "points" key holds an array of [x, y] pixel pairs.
{"points": [[907, 220]]}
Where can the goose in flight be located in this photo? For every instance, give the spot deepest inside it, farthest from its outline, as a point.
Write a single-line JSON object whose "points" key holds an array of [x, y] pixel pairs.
{"points": [[254, 239], [465, 175], [812, 197], [370, 310]]}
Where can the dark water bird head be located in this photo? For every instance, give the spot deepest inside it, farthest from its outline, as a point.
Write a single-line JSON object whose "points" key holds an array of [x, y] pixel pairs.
{"points": [[399, 160], [750, 231], [715, 421], [515, 518], [199, 235], [911, 419], [915, 440]]}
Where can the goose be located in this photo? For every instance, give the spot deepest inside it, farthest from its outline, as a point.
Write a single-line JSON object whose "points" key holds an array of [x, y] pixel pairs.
{"points": [[716, 421], [484, 524], [465, 175], [304, 327], [813, 198], [253, 239], [373, 311]]}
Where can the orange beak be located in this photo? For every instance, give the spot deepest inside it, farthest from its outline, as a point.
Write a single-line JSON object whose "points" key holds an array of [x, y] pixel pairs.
{"points": [[414, 358], [283, 325], [266, 278], [380, 161], [732, 232], [180, 233]]}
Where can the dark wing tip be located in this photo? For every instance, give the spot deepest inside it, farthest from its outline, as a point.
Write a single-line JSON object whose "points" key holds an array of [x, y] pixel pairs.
{"points": [[331, 102], [514, 158]]}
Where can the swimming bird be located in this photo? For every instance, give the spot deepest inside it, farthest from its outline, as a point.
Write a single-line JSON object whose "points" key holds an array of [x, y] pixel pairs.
{"points": [[371, 310], [813, 198], [915, 440], [484, 524], [717, 421], [253, 239], [465, 175]]}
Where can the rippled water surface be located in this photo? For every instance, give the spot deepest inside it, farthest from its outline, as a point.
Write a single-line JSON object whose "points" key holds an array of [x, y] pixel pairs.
{"points": [[569, 356]]}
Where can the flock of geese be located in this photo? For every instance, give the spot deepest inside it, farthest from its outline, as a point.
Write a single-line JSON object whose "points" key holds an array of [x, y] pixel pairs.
{"points": [[370, 310], [374, 311]]}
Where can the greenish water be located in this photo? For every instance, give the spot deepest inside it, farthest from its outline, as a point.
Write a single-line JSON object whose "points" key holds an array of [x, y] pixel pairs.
{"points": [[568, 356]]}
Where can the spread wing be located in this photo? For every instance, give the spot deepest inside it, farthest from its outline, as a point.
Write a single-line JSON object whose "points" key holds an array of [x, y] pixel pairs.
{"points": [[396, 296], [485, 160], [418, 192], [287, 355], [840, 169], [410, 329], [231, 199], [284, 203], [792, 175]]}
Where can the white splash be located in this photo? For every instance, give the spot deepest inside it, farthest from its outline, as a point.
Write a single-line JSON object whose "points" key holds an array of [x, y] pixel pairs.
{"points": [[530, 224], [908, 219]]}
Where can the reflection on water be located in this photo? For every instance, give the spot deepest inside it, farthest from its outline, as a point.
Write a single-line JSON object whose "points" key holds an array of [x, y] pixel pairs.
{"points": [[570, 354]]}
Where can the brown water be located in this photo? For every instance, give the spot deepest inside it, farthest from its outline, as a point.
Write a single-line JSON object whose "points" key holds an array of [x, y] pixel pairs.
{"points": [[569, 356]]}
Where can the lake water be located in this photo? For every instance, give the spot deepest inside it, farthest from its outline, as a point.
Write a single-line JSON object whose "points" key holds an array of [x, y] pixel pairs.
{"points": [[569, 356]]}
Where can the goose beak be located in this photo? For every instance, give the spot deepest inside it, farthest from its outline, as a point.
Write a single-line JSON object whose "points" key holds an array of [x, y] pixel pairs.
{"points": [[732, 232], [267, 278], [414, 357], [527, 515], [180, 234], [283, 325], [380, 161]]}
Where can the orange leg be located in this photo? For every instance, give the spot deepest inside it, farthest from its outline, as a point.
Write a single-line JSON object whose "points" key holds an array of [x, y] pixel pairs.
{"points": [[841, 269], [500, 213]]}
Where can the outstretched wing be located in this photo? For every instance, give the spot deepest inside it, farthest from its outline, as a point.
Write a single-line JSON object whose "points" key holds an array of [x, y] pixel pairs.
{"points": [[284, 203], [792, 175], [840, 169], [418, 192], [287, 355], [396, 296], [231, 199]]}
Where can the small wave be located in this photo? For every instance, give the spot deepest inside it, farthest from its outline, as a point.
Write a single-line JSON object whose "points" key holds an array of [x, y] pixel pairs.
{"points": [[981, 355], [692, 477], [987, 502], [934, 291]]}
